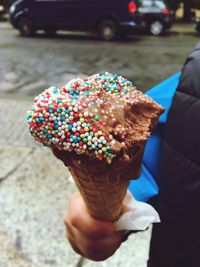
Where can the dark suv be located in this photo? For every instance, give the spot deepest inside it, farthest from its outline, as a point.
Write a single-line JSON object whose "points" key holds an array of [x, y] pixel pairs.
{"points": [[106, 17], [157, 16]]}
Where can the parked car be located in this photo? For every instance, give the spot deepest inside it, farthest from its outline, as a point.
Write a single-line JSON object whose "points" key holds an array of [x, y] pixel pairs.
{"points": [[106, 17], [157, 16]]}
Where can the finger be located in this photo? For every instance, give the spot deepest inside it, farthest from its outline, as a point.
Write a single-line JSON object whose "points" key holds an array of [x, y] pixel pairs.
{"points": [[80, 219], [69, 231], [101, 248]]}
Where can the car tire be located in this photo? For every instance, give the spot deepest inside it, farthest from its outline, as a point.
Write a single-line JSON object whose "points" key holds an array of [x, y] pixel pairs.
{"points": [[107, 30], [25, 27], [156, 28]]}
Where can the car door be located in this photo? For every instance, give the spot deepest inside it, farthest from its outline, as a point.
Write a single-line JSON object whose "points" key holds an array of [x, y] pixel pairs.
{"points": [[75, 14], [44, 12]]}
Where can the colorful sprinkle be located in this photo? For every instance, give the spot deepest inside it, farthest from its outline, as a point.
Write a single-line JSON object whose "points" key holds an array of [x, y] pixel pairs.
{"points": [[77, 116]]}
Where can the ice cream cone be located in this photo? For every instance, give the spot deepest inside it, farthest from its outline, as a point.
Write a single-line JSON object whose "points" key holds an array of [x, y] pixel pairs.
{"points": [[98, 127], [102, 196]]}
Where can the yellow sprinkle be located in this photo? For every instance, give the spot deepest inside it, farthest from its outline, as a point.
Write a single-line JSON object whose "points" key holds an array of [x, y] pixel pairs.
{"points": [[89, 143], [66, 116], [100, 132], [49, 132], [82, 120], [82, 135], [60, 105], [86, 129], [103, 149], [100, 151], [46, 114], [96, 134]]}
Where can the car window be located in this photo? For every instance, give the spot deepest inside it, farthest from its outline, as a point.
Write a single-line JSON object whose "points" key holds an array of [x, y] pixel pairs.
{"points": [[150, 3], [147, 3], [160, 4]]}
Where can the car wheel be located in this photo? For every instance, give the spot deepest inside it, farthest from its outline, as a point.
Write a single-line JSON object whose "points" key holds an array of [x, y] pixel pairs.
{"points": [[25, 26], [156, 28], [107, 30]]}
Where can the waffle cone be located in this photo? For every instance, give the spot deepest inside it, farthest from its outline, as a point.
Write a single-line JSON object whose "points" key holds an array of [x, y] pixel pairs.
{"points": [[102, 195]]}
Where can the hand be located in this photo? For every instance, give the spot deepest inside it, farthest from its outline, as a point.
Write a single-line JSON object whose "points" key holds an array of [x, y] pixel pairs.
{"points": [[91, 238]]}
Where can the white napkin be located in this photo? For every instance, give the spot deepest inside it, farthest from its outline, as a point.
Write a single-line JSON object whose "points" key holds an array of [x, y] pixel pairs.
{"points": [[139, 216]]}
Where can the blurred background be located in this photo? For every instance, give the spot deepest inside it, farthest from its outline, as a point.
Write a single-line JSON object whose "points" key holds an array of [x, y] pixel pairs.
{"points": [[49, 42]]}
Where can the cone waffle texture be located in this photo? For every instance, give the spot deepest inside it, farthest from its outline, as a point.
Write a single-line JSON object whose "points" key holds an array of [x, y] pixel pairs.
{"points": [[102, 194]]}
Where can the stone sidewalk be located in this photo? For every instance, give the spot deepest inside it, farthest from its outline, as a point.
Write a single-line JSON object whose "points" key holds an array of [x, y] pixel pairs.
{"points": [[34, 191]]}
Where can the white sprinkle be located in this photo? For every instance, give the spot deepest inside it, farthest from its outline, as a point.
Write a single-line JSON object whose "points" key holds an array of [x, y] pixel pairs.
{"points": [[85, 114]]}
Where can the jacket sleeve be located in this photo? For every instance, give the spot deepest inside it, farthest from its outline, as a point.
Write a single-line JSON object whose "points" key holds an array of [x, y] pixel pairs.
{"points": [[147, 185]]}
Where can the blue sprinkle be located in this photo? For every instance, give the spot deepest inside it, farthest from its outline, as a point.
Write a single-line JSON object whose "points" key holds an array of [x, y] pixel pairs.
{"points": [[70, 127], [55, 122], [50, 136], [77, 92], [59, 110], [59, 101], [50, 111], [67, 111], [41, 118], [78, 139], [63, 118]]}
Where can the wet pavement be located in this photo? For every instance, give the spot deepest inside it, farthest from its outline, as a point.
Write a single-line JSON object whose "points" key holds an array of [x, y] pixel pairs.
{"points": [[28, 65], [34, 187]]}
